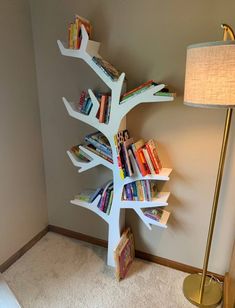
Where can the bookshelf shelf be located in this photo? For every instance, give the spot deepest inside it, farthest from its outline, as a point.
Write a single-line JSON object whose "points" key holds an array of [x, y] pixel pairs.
{"points": [[118, 112], [92, 207]]}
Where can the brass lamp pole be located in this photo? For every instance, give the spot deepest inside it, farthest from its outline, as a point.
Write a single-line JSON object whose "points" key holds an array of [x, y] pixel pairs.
{"points": [[199, 289]]}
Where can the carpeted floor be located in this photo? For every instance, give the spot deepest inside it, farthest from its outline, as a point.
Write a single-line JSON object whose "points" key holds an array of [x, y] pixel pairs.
{"points": [[59, 272]]}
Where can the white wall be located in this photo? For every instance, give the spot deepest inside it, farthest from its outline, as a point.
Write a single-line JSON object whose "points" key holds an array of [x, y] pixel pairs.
{"points": [[147, 40], [23, 211]]}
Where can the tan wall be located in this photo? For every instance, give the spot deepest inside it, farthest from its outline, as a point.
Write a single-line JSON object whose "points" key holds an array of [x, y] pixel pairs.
{"points": [[147, 40], [23, 211]]}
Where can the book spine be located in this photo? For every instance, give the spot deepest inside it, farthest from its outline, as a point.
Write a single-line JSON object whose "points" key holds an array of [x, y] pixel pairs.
{"points": [[155, 153], [140, 191], [129, 194], [118, 158], [138, 161], [98, 145], [70, 35], [103, 104], [107, 200], [108, 110], [135, 192], [97, 62], [144, 190], [152, 157], [98, 153], [143, 160], [110, 203], [148, 161]]}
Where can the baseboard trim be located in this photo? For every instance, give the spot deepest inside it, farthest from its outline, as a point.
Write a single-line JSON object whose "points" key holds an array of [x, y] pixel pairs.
{"points": [[23, 250], [139, 254], [78, 236]]}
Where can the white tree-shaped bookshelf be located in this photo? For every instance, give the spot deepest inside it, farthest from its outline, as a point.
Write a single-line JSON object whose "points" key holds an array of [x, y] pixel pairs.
{"points": [[116, 218]]}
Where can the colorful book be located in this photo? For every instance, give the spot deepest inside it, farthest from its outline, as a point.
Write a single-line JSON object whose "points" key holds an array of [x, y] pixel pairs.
{"points": [[101, 204], [126, 146], [148, 160], [88, 195], [157, 214], [110, 203], [78, 153], [103, 106], [107, 68], [138, 160], [152, 149], [137, 88], [124, 254], [94, 139], [119, 138], [91, 148], [140, 90]]}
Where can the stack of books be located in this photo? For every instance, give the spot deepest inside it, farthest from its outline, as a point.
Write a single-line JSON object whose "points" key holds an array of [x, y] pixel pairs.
{"points": [[107, 68], [142, 88], [103, 113], [145, 154], [106, 199], [74, 31], [141, 190], [88, 195], [78, 153], [85, 104], [157, 214], [99, 144], [124, 254]]}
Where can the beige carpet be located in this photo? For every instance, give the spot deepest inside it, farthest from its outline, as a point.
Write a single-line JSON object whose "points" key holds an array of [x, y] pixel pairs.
{"points": [[59, 272]]}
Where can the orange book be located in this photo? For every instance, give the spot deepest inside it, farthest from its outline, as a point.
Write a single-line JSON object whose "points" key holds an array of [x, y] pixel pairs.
{"points": [[103, 105], [144, 162], [70, 35], [79, 21]]}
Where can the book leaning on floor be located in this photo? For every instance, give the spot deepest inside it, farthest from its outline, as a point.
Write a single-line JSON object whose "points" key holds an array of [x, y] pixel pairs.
{"points": [[124, 254]]}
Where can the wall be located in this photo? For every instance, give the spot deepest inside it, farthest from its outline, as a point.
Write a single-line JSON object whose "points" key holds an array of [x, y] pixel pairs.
{"points": [[23, 211], [147, 40]]}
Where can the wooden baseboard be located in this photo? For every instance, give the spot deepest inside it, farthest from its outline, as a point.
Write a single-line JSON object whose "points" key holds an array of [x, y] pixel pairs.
{"points": [[23, 250], [89, 239], [226, 291], [139, 254], [78, 236]]}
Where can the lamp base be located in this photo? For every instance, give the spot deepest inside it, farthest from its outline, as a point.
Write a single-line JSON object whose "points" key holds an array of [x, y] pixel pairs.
{"points": [[212, 291]]}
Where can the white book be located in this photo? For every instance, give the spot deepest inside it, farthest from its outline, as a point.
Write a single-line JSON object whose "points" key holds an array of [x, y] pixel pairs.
{"points": [[148, 160]]}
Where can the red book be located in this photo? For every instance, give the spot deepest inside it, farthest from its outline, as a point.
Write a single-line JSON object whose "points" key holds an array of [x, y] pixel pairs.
{"points": [[103, 105]]}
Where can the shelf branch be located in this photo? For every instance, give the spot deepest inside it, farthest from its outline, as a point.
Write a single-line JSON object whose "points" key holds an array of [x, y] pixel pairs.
{"points": [[88, 119], [92, 207]]}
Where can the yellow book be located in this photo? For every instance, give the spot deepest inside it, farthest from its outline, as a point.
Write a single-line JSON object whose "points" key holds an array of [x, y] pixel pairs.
{"points": [[140, 191]]}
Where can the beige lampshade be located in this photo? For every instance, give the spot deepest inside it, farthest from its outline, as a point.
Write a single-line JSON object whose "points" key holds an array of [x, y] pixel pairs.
{"points": [[210, 75]]}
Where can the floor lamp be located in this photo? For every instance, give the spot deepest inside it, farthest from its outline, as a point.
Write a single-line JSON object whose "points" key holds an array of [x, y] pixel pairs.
{"points": [[210, 82]]}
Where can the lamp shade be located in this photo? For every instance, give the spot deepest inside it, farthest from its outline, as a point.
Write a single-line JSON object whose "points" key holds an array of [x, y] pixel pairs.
{"points": [[210, 75]]}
